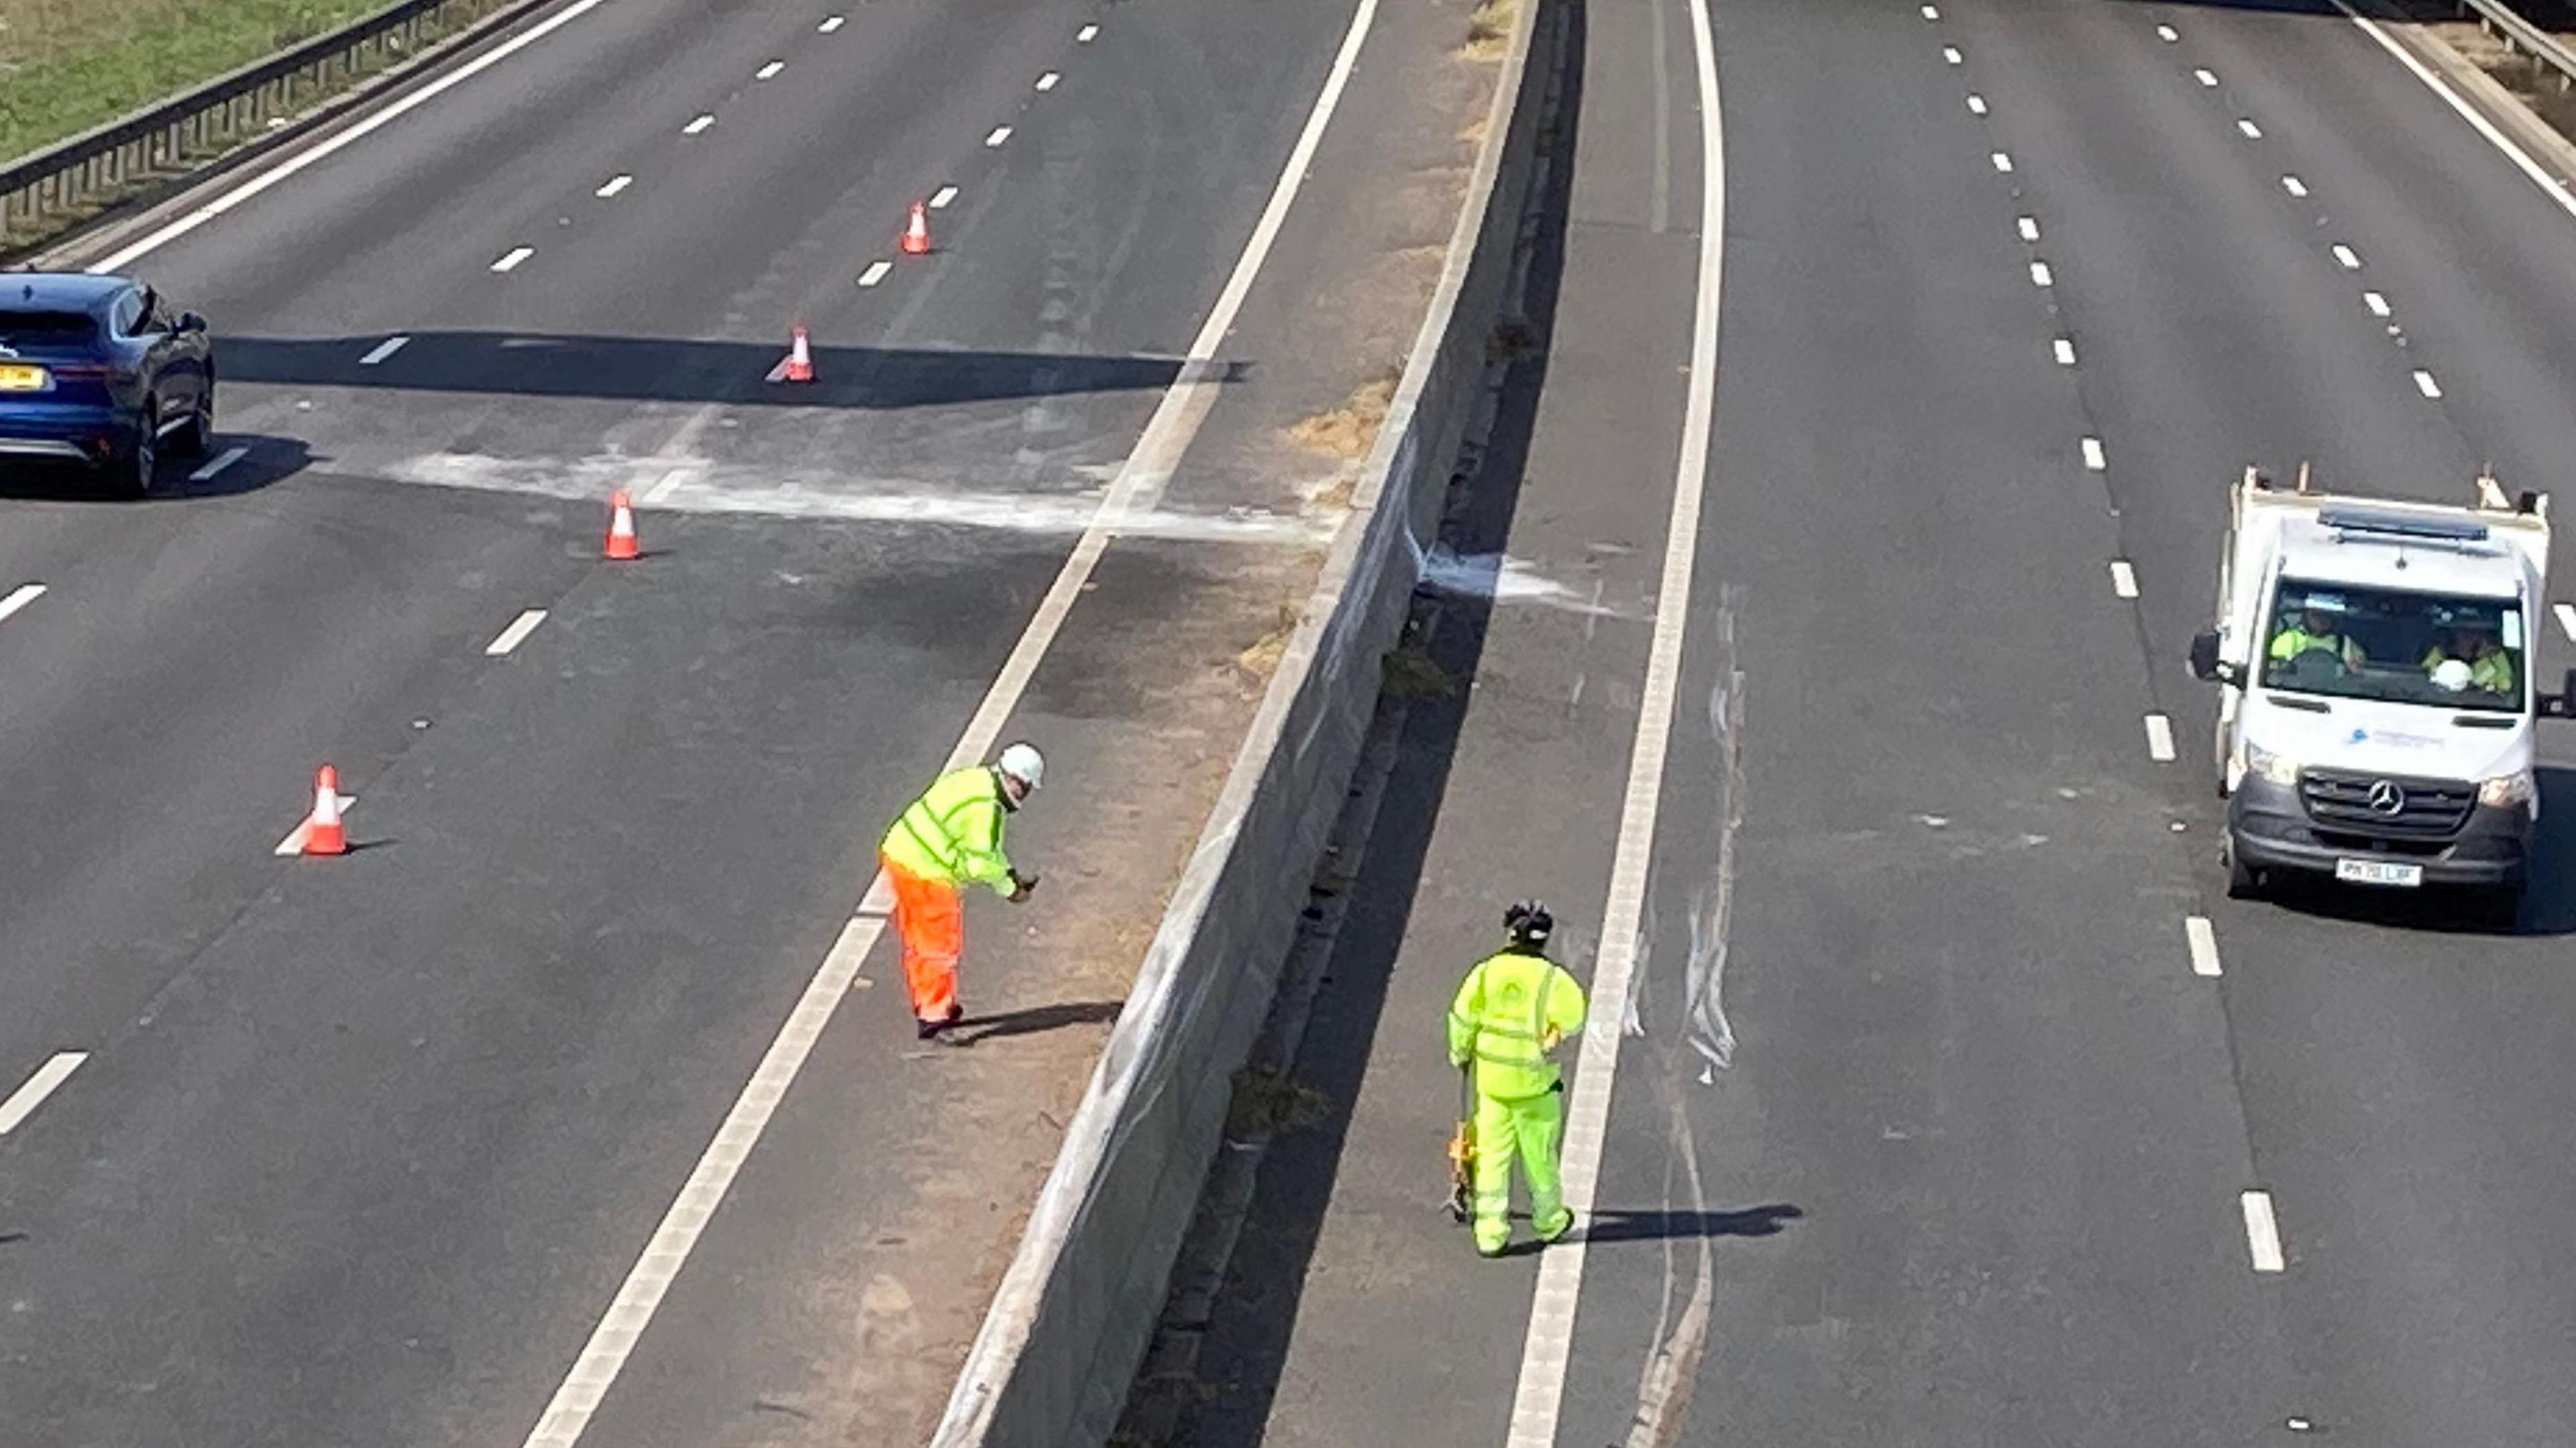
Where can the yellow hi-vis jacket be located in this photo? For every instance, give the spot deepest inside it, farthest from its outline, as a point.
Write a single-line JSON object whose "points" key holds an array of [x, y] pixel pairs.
{"points": [[954, 831], [1509, 1011]]}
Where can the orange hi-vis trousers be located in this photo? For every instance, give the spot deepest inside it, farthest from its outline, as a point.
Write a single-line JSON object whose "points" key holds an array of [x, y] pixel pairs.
{"points": [[930, 917]]}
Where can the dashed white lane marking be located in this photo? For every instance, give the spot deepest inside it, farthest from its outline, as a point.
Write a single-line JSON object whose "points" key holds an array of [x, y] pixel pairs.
{"points": [[2040, 274], [383, 350], [2566, 619], [2160, 739], [998, 136], [2550, 186], [1976, 103], [2251, 131], [2262, 1231], [769, 71], [2093, 459], [2167, 34], [1539, 1396], [49, 1077], [613, 185], [1951, 54], [1047, 82], [875, 273], [830, 24], [2064, 350], [700, 124], [1085, 34], [1166, 437], [218, 463], [510, 259], [2207, 78], [517, 633], [293, 844], [2346, 257], [2378, 304], [940, 198], [2028, 226], [118, 260], [2294, 186], [2124, 579], [1931, 12], [2203, 941], [27, 593], [2425, 384], [777, 371], [2003, 161]]}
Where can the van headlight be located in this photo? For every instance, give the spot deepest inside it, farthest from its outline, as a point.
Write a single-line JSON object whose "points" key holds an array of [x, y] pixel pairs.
{"points": [[2506, 790], [2277, 768]]}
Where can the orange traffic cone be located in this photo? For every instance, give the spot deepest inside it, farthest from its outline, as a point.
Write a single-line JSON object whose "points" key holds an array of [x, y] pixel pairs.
{"points": [[916, 232], [800, 359], [324, 835], [621, 526]]}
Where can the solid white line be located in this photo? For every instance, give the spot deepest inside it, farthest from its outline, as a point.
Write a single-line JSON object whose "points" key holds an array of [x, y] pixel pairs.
{"points": [[2378, 304], [2294, 186], [2160, 739], [1166, 434], [1048, 81], [769, 71], [2206, 78], [999, 135], [1951, 54], [1084, 35], [124, 256], [2252, 131], [2003, 161], [1545, 1352], [2029, 228], [700, 124], [49, 1077], [218, 463], [383, 350], [510, 261], [2203, 941], [2093, 459], [2064, 348], [830, 24], [2039, 274], [2262, 1231], [2425, 384], [1976, 103], [293, 844], [2566, 619], [27, 593], [2166, 34], [2550, 186], [940, 198], [519, 629], [875, 273], [2124, 578], [2346, 257]]}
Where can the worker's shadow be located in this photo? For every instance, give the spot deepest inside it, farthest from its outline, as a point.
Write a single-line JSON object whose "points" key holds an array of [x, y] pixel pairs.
{"points": [[1034, 1020], [1609, 1224]]}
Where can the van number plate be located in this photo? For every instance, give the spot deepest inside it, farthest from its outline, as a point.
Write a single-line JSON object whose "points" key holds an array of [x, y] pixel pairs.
{"points": [[2378, 872]]}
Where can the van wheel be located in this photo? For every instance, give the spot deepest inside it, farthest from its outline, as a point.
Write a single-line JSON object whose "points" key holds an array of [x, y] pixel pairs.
{"points": [[2244, 882]]}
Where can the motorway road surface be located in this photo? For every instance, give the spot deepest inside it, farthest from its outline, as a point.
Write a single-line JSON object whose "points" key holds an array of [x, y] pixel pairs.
{"points": [[359, 1151], [1934, 1128]]}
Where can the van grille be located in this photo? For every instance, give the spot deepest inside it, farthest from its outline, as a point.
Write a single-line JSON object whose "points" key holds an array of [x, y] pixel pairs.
{"points": [[2425, 807]]}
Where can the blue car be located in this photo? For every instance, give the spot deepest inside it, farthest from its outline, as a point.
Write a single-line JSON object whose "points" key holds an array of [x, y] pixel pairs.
{"points": [[102, 373]]}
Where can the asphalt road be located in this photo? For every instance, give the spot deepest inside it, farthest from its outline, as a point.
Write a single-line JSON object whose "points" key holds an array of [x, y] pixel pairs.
{"points": [[361, 1149], [1928, 1132]]}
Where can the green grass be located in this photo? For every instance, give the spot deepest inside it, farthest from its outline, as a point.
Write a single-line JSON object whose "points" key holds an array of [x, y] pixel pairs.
{"points": [[69, 65]]}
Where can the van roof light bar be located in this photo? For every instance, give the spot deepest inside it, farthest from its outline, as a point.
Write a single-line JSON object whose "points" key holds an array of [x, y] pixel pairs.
{"points": [[2393, 525]]}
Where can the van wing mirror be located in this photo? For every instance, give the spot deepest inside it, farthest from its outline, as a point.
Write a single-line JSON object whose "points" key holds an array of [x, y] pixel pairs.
{"points": [[2561, 705], [2204, 655]]}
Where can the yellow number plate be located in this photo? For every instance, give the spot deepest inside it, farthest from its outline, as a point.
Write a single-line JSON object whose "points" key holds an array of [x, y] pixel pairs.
{"points": [[22, 379]]}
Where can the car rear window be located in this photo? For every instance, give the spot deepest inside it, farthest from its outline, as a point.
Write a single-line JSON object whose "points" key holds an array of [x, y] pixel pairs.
{"points": [[51, 329]]}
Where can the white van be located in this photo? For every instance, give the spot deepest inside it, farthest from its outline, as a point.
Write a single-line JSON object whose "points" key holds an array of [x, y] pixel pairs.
{"points": [[2377, 712]]}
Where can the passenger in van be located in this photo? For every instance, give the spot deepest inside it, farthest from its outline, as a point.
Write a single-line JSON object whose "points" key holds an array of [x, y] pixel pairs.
{"points": [[2314, 629], [2474, 644]]}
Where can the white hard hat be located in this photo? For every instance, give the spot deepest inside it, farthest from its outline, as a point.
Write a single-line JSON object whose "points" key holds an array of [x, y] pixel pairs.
{"points": [[2450, 676], [1023, 762]]}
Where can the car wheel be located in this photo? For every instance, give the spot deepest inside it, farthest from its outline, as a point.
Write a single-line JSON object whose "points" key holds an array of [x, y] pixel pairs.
{"points": [[144, 458], [2244, 882], [198, 438]]}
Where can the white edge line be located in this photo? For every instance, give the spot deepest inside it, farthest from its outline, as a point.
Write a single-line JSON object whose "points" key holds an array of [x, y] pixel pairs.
{"points": [[2160, 741], [48, 1079], [587, 1380], [2124, 579], [2203, 942], [119, 259], [218, 463], [516, 634], [2549, 185], [27, 593], [2566, 620], [1539, 1394], [2262, 1231]]}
